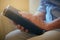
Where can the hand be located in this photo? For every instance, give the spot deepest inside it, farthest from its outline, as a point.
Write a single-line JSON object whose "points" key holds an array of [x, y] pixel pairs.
{"points": [[34, 19], [22, 28], [25, 15], [29, 17]]}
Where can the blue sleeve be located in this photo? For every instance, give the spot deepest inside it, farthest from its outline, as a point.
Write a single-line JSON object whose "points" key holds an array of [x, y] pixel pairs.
{"points": [[42, 6]]}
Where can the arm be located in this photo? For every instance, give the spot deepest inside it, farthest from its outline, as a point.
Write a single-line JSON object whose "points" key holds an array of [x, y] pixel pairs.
{"points": [[55, 24], [40, 16], [38, 19], [47, 26]]}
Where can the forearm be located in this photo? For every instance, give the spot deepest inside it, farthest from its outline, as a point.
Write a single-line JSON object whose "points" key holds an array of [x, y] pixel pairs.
{"points": [[47, 26], [37, 20], [53, 24]]}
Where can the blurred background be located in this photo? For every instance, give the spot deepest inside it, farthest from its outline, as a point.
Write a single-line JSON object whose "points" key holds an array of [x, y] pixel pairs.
{"points": [[6, 25]]}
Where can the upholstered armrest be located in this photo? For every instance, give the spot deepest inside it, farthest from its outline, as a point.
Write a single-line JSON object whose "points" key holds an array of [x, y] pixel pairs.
{"points": [[6, 26]]}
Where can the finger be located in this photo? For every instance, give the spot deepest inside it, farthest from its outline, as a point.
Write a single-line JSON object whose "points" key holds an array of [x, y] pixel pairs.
{"points": [[14, 23], [22, 28], [26, 30], [18, 26]]}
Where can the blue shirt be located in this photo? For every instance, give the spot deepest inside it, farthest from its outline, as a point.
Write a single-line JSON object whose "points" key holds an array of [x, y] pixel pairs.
{"points": [[50, 7]]}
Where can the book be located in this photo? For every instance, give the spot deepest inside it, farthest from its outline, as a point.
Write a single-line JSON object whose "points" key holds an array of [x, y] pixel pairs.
{"points": [[12, 13]]}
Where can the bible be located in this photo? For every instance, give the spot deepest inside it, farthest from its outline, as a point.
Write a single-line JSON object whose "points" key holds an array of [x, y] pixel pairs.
{"points": [[12, 13]]}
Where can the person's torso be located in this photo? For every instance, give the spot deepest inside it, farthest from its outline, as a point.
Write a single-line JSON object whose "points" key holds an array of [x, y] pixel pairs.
{"points": [[52, 10]]}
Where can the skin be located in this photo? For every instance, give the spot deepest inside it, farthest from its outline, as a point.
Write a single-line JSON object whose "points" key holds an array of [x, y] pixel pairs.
{"points": [[38, 20]]}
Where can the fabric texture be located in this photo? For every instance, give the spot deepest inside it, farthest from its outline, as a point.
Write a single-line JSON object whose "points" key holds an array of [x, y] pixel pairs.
{"points": [[50, 35], [50, 7], [18, 35]]}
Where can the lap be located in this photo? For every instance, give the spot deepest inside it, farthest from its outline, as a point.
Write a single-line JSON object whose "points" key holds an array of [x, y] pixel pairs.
{"points": [[50, 35], [18, 35]]}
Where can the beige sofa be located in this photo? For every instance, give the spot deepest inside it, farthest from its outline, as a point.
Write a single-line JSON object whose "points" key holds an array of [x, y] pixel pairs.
{"points": [[50, 35], [6, 26]]}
